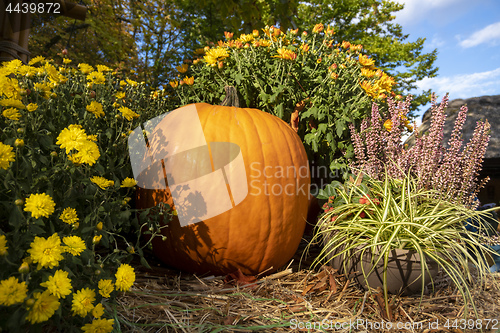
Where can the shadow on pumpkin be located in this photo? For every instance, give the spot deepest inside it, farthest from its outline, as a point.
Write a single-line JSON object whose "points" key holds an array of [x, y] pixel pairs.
{"points": [[181, 247]]}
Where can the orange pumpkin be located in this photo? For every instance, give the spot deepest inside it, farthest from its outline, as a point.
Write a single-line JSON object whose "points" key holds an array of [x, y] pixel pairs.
{"points": [[261, 231]]}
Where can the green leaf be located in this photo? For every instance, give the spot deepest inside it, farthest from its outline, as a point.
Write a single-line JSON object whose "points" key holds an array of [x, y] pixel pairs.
{"points": [[322, 127], [312, 111], [238, 77], [339, 127]]}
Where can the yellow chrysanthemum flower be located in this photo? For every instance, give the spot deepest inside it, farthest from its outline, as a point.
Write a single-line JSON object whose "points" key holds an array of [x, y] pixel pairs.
{"points": [[246, 38], [318, 28], [386, 82], [83, 301], [43, 308], [99, 326], [95, 108], [125, 277], [12, 291], [36, 60], [189, 80], [261, 42], [120, 95], [74, 245], [106, 287], [388, 125], [85, 68], [11, 113], [39, 205], [32, 107], [3, 245], [12, 103], [102, 182], [96, 78], [215, 55], [128, 182], [370, 89], [286, 54], [47, 252], [71, 137], [12, 66], [87, 153], [43, 89], [6, 156], [67, 61], [103, 68], [127, 113], [132, 82], [366, 72], [174, 84], [365, 61], [69, 215], [52, 73], [9, 87], [58, 284], [182, 68], [98, 311]]}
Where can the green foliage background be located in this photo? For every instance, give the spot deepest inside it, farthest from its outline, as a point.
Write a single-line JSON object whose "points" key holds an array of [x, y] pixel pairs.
{"points": [[152, 37]]}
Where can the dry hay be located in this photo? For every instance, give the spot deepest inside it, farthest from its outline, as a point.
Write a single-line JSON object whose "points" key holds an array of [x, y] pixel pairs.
{"points": [[164, 300]]}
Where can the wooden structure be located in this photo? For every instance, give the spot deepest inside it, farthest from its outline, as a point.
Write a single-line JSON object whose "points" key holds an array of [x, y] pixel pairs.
{"points": [[15, 25]]}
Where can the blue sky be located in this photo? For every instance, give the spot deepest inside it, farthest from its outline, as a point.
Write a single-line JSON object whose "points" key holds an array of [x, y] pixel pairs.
{"points": [[466, 34]]}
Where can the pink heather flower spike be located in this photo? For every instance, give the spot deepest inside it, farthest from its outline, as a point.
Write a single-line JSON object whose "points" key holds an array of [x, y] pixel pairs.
{"points": [[452, 171]]}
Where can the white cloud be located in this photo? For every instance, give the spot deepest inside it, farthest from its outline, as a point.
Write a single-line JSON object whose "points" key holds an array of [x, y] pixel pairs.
{"points": [[489, 35], [435, 43], [464, 85]]}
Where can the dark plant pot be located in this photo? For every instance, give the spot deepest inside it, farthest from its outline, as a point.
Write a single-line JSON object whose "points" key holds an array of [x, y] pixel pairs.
{"points": [[404, 275]]}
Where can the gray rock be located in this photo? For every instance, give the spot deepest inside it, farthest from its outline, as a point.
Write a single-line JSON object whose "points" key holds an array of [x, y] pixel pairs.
{"points": [[479, 109]]}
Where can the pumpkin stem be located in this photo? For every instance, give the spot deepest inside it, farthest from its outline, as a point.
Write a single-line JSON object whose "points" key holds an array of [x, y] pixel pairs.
{"points": [[231, 98]]}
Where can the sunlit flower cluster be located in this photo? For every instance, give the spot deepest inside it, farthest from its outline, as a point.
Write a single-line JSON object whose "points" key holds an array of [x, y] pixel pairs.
{"points": [[74, 138], [102, 182], [62, 127], [213, 56], [6, 156]]}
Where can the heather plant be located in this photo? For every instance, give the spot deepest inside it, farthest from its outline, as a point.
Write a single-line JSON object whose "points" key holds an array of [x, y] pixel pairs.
{"points": [[67, 229], [452, 170], [317, 84]]}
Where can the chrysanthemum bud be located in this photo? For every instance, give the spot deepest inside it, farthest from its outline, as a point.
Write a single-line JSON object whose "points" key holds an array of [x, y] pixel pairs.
{"points": [[19, 143], [24, 268]]}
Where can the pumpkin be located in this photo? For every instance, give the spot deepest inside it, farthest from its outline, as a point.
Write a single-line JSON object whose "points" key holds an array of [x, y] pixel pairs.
{"points": [[260, 231]]}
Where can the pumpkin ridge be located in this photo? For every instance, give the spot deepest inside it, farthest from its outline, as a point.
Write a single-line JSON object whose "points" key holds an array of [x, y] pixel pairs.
{"points": [[273, 233], [265, 233]]}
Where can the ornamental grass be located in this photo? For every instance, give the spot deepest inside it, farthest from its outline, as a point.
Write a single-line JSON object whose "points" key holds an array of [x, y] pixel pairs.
{"points": [[369, 218]]}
